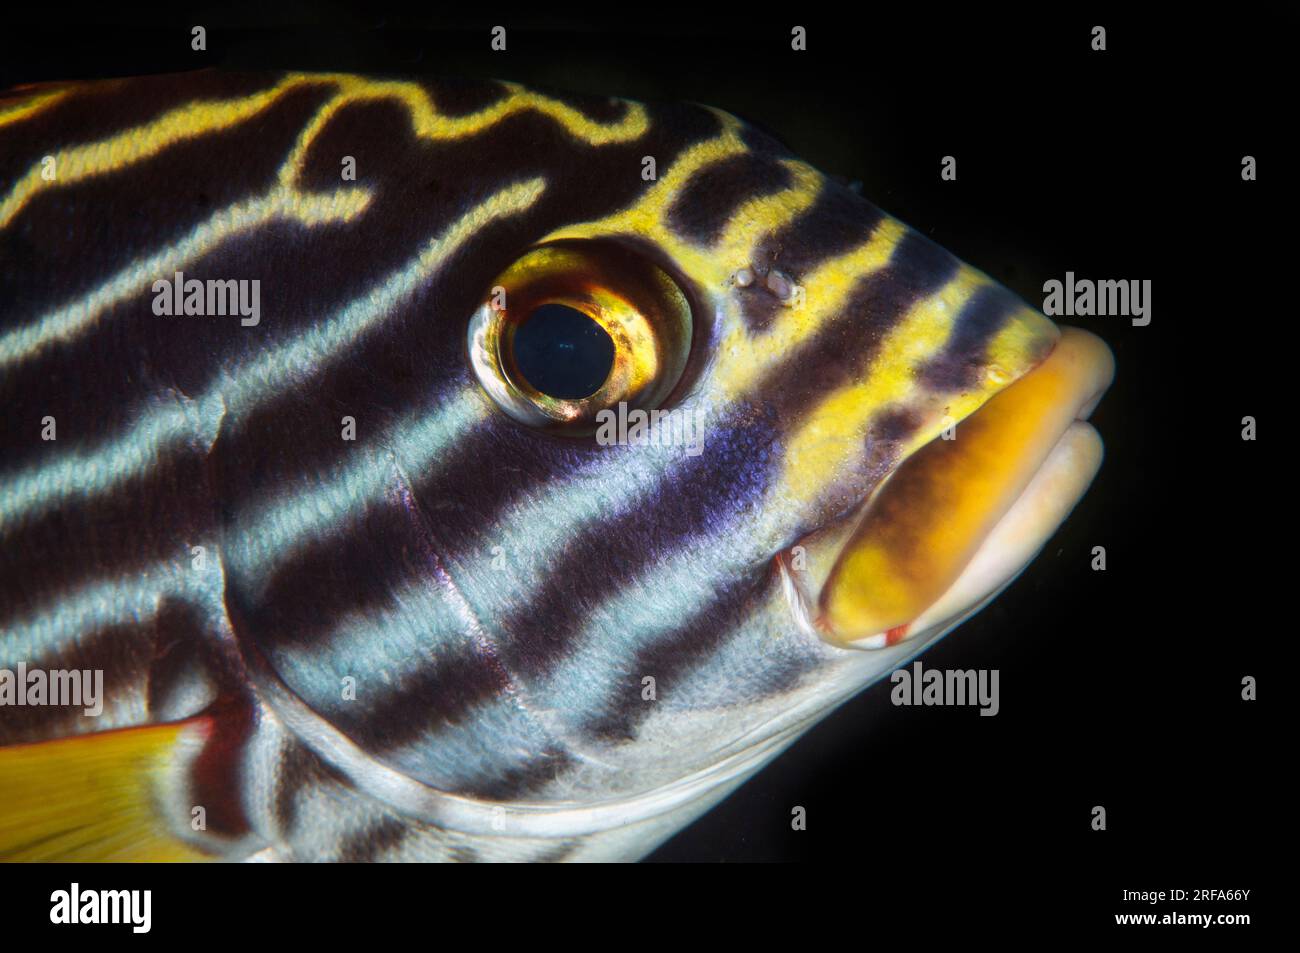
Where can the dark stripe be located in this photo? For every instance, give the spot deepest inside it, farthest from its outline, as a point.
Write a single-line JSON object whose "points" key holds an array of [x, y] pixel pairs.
{"points": [[522, 778], [835, 224], [762, 141], [369, 844], [843, 350], [895, 424], [700, 497], [455, 97], [965, 353], [121, 652], [434, 698], [674, 659], [153, 520], [711, 196], [299, 770], [385, 719], [671, 659], [351, 567], [334, 577], [72, 239]]}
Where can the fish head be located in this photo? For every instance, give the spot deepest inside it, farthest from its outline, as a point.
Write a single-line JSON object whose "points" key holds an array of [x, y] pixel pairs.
{"points": [[704, 444]]}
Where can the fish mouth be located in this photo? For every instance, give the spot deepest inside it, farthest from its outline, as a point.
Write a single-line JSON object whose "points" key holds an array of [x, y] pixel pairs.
{"points": [[958, 519]]}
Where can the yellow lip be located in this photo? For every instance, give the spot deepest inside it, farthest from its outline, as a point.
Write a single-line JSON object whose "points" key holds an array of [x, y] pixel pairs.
{"points": [[962, 515]]}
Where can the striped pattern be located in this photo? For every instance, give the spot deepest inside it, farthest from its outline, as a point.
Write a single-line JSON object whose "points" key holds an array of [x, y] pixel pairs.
{"points": [[497, 595]]}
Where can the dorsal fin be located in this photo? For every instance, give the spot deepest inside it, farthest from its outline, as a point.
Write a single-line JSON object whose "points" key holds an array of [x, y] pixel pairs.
{"points": [[92, 797]]}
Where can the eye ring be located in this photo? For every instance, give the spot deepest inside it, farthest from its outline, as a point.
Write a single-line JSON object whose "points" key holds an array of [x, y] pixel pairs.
{"points": [[641, 309]]}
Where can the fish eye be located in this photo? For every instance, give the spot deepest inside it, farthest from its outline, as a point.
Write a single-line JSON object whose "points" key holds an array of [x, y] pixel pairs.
{"points": [[576, 327], [563, 353]]}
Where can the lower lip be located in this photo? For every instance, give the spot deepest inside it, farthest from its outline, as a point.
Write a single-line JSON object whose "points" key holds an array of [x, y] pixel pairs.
{"points": [[1023, 530], [1015, 540]]}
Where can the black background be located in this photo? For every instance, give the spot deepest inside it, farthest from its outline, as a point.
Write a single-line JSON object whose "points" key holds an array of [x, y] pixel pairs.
{"points": [[1119, 688]]}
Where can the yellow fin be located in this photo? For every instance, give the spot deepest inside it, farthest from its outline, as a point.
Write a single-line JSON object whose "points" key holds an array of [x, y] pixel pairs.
{"points": [[91, 797]]}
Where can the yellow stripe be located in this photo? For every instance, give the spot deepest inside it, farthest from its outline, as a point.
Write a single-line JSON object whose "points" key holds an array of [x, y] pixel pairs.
{"points": [[203, 118], [832, 438], [646, 216], [37, 103], [428, 123], [139, 143], [760, 217], [744, 357], [749, 224]]}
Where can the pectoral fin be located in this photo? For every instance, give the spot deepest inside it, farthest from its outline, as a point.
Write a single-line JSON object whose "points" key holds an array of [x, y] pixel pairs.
{"points": [[93, 797]]}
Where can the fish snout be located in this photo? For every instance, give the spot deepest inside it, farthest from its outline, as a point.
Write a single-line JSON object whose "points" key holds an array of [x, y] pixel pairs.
{"points": [[964, 514]]}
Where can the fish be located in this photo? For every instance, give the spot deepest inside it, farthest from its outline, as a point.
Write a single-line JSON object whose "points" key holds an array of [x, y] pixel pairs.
{"points": [[410, 469]]}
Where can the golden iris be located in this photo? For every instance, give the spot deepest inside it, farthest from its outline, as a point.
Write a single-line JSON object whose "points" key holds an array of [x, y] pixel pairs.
{"points": [[634, 306]]}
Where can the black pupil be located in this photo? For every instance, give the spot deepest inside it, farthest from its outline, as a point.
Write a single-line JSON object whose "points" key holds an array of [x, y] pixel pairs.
{"points": [[562, 352]]}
